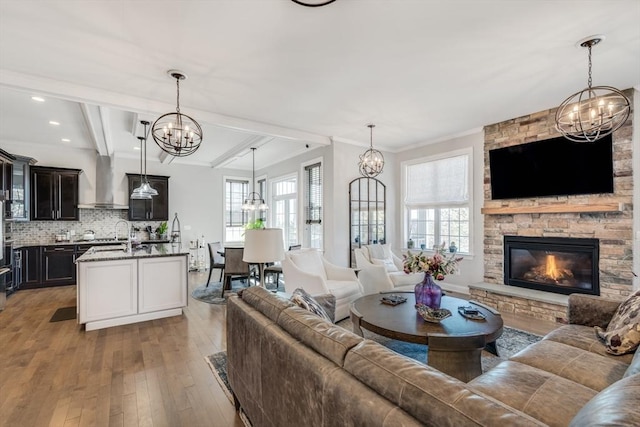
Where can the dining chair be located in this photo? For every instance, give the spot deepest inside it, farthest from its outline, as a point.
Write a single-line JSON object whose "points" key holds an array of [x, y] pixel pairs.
{"points": [[215, 260], [234, 267], [276, 269]]}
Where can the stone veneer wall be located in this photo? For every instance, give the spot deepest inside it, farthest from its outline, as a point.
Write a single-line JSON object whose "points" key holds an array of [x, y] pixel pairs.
{"points": [[613, 229]]}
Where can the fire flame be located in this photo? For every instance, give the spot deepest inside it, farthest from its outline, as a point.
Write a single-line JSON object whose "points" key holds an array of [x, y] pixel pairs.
{"points": [[552, 269]]}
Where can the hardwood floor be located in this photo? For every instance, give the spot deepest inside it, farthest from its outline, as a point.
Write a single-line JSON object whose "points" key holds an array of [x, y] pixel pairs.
{"points": [[147, 374]]}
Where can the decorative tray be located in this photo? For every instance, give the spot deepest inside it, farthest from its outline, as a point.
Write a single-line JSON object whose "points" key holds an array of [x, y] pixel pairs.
{"points": [[433, 315], [471, 313], [393, 299]]}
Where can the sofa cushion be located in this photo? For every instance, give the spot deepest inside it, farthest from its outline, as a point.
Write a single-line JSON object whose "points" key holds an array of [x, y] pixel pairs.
{"points": [[584, 338], [388, 264], [572, 363], [634, 367], [382, 255], [543, 395], [401, 278], [309, 261], [617, 405], [343, 289], [623, 332], [325, 338], [302, 299], [264, 301], [432, 397]]}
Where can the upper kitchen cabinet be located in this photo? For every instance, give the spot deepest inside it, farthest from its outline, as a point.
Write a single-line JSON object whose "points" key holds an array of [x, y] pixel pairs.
{"points": [[20, 202], [156, 208], [6, 175], [54, 193]]}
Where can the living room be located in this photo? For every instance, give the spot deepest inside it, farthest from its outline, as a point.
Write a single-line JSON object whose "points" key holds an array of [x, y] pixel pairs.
{"points": [[402, 134]]}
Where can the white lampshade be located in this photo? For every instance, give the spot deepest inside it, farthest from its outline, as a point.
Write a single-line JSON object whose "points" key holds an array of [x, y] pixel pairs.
{"points": [[263, 245]]}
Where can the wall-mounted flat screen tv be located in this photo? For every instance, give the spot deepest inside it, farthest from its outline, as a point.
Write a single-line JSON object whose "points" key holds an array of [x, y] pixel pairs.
{"points": [[552, 167]]}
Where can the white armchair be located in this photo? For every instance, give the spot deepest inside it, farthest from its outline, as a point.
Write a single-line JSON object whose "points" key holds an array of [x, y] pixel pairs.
{"points": [[381, 270], [309, 270]]}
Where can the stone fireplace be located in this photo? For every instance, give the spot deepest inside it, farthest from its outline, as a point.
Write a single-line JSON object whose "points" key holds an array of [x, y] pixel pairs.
{"points": [[552, 264], [606, 218]]}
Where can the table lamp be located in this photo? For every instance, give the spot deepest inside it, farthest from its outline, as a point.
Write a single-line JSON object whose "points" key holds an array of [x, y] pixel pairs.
{"points": [[262, 246]]}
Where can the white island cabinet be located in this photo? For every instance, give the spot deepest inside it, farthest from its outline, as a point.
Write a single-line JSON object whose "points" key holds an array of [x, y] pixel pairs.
{"points": [[117, 288]]}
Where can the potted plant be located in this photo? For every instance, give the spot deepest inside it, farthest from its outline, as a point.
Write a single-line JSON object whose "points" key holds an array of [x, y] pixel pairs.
{"points": [[162, 230]]}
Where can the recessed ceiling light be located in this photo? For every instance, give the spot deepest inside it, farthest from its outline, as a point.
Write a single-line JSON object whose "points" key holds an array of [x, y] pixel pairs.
{"points": [[37, 98], [54, 123], [136, 148], [65, 140]]}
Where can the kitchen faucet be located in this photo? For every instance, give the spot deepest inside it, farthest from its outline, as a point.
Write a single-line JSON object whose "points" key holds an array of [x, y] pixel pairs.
{"points": [[128, 233]]}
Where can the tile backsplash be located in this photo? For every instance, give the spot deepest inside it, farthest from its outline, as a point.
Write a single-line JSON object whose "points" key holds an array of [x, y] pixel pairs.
{"points": [[101, 221]]}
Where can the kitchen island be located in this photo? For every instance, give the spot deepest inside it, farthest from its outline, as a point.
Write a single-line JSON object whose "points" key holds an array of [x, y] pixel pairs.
{"points": [[118, 287]]}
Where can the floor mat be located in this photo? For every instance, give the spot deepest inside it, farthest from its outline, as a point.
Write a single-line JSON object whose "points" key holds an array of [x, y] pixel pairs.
{"points": [[65, 313]]}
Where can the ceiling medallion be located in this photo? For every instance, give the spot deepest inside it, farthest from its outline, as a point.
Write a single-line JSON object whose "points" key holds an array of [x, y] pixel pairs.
{"points": [[177, 133], [594, 112], [371, 161]]}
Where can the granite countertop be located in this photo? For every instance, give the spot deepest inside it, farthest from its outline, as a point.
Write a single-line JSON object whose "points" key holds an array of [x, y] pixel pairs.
{"points": [[149, 250], [97, 242]]}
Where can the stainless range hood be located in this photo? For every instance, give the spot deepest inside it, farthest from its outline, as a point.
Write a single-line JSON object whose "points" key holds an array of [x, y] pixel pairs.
{"points": [[104, 186]]}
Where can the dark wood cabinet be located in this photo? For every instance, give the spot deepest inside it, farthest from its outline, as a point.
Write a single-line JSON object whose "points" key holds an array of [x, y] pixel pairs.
{"points": [[58, 265], [54, 193], [156, 208], [31, 258], [6, 177]]}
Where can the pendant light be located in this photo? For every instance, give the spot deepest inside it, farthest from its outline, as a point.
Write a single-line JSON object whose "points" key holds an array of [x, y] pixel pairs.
{"points": [[145, 190], [594, 112], [254, 200], [177, 133], [371, 161]]}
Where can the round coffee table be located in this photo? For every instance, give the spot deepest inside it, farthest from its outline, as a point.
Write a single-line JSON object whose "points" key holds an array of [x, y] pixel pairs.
{"points": [[454, 344]]}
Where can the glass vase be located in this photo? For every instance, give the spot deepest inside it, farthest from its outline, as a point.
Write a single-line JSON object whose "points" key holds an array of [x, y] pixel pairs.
{"points": [[427, 292]]}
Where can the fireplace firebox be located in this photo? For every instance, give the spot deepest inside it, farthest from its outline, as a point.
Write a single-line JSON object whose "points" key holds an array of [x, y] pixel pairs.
{"points": [[554, 264]]}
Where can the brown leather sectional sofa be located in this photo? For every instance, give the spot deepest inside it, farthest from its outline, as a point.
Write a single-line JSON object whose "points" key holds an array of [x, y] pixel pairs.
{"points": [[288, 367]]}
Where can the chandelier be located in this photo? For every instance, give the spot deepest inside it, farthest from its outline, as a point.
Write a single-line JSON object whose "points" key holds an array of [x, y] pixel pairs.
{"points": [[145, 190], [254, 202], [594, 112], [177, 133], [371, 161]]}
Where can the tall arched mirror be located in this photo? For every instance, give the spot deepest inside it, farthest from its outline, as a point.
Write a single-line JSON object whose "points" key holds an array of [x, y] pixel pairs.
{"points": [[367, 204]]}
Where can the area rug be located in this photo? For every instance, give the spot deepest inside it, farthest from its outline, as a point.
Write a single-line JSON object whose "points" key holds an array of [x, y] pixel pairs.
{"points": [[218, 364], [65, 313], [511, 342], [212, 294]]}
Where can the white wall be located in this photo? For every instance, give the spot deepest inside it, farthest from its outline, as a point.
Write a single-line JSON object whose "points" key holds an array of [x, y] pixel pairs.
{"points": [[472, 267]]}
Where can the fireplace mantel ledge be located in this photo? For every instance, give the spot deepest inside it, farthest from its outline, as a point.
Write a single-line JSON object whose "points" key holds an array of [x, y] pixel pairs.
{"points": [[575, 208], [531, 294]]}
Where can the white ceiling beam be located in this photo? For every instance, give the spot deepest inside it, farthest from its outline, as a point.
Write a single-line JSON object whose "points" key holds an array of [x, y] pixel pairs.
{"points": [[92, 119], [240, 150], [73, 92]]}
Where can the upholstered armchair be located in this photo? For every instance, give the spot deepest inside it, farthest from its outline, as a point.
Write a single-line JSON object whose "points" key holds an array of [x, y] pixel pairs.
{"points": [[381, 270], [309, 270]]}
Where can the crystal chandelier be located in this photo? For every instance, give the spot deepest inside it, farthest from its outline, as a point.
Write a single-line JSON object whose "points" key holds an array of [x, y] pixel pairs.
{"points": [[594, 112], [254, 202], [145, 190], [177, 133], [371, 161]]}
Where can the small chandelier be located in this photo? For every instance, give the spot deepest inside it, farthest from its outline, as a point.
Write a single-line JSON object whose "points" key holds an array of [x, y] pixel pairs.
{"points": [[254, 202], [371, 161], [594, 112], [145, 190], [177, 133]]}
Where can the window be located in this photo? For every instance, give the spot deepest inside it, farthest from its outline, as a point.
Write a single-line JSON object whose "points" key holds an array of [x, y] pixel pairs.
{"points": [[313, 205], [284, 214], [437, 202], [236, 190]]}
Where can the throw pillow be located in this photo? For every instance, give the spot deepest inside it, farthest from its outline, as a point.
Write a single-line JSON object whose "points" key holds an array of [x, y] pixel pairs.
{"points": [[388, 264], [303, 299], [623, 332]]}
